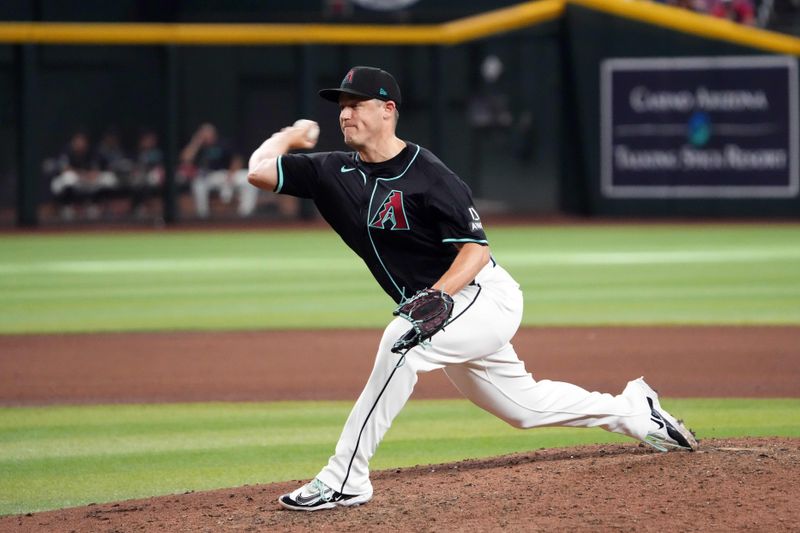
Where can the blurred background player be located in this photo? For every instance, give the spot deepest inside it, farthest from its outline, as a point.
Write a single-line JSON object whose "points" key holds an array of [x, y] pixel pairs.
{"points": [[80, 181], [147, 175], [210, 166]]}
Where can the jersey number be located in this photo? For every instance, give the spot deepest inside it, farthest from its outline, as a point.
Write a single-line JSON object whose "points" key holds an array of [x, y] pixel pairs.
{"points": [[391, 212]]}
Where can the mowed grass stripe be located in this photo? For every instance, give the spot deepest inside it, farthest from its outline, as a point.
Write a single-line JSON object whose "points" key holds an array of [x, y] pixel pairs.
{"points": [[52, 457], [294, 279], [289, 264], [555, 291]]}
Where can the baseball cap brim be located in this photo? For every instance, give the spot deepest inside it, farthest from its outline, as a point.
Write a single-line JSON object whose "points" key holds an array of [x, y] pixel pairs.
{"points": [[365, 82], [332, 95]]}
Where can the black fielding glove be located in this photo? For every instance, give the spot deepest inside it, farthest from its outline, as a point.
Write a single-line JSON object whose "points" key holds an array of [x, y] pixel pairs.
{"points": [[428, 311]]}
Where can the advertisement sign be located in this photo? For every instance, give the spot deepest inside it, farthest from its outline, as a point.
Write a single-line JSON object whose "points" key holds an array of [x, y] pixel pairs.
{"points": [[699, 127]]}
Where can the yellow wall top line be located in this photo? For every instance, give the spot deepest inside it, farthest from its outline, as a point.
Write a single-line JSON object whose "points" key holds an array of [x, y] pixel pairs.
{"points": [[462, 30]]}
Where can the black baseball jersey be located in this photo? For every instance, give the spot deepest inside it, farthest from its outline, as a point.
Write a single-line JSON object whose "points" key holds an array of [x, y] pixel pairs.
{"points": [[401, 216]]}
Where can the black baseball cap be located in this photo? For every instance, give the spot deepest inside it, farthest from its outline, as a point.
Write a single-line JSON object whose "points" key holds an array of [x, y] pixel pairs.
{"points": [[369, 82]]}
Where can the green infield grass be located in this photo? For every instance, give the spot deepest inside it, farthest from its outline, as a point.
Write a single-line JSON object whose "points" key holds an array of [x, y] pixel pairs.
{"points": [[54, 457], [600, 275]]}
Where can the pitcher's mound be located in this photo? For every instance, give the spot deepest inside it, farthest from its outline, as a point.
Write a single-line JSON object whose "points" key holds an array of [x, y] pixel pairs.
{"points": [[737, 484]]}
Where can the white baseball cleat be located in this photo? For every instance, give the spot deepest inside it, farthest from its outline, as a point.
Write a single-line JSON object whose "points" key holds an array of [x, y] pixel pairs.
{"points": [[667, 432], [316, 496]]}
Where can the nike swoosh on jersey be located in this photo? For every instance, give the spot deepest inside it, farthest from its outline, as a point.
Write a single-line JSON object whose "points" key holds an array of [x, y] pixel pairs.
{"points": [[346, 169]]}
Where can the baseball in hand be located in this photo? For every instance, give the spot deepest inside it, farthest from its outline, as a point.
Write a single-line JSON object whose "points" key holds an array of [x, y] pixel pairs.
{"points": [[311, 128]]}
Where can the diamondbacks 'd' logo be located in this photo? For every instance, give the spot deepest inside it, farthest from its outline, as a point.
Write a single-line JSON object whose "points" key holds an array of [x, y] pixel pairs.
{"points": [[476, 223], [391, 212]]}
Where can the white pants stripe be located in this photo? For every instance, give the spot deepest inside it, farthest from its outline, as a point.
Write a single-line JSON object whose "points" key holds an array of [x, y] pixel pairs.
{"points": [[476, 353]]}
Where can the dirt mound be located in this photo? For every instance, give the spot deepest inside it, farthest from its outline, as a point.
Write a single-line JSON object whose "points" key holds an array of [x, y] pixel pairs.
{"points": [[738, 484]]}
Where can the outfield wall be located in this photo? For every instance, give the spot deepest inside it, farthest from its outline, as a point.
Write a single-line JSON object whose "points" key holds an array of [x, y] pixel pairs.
{"points": [[671, 123], [529, 142]]}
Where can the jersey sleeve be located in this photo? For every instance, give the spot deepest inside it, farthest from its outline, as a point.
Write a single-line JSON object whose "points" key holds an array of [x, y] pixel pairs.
{"points": [[298, 174], [451, 202]]}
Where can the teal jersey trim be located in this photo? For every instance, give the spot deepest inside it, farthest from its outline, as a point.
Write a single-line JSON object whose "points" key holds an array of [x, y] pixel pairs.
{"points": [[399, 175], [364, 176], [401, 292], [414, 158], [279, 186], [478, 241]]}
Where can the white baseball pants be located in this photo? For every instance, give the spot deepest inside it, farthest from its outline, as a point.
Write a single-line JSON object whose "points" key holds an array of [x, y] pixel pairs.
{"points": [[476, 354]]}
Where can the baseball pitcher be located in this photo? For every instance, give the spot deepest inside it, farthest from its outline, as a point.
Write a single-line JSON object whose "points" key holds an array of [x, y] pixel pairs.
{"points": [[413, 222]]}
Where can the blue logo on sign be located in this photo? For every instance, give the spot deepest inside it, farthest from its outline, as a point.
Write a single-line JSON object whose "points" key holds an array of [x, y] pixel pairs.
{"points": [[699, 128]]}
